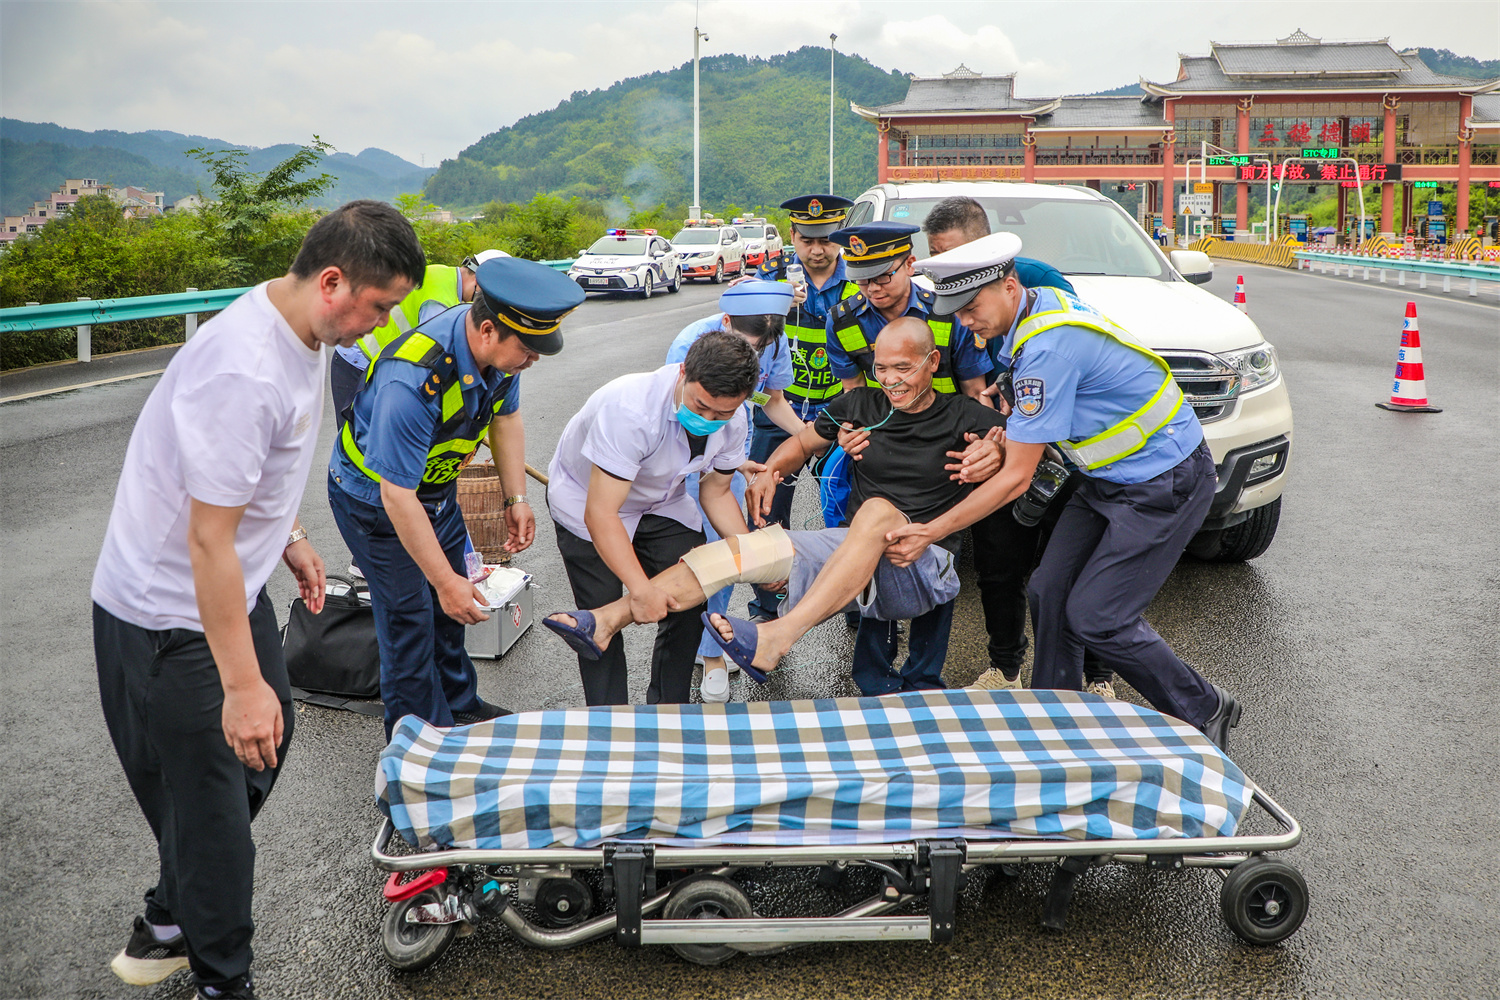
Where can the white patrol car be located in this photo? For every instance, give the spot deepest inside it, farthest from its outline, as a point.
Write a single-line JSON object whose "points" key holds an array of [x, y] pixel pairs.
{"points": [[709, 249], [1225, 367], [628, 260], [763, 243]]}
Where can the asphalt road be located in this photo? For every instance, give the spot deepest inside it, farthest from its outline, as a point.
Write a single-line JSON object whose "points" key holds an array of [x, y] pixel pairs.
{"points": [[1363, 645]]}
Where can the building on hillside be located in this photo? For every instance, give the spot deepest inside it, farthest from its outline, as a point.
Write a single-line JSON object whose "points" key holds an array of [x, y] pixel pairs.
{"points": [[136, 203], [188, 203], [1334, 107]]}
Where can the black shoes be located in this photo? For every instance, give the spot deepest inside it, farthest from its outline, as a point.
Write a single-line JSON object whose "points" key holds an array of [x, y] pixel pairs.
{"points": [[485, 713], [243, 990], [146, 960], [1225, 718]]}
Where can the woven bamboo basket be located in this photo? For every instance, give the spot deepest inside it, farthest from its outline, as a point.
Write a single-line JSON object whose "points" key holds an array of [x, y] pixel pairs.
{"points": [[482, 500]]}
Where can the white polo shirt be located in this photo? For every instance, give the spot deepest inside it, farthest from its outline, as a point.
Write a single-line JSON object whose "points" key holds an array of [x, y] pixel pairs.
{"points": [[629, 429], [233, 422]]}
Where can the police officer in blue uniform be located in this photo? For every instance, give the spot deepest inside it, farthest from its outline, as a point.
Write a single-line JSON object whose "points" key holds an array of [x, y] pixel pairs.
{"points": [[1112, 407], [813, 218], [431, 396], [878, 260]]}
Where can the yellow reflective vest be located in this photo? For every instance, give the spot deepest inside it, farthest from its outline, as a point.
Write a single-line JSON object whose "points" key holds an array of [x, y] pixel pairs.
{"points": [[440, 283]]}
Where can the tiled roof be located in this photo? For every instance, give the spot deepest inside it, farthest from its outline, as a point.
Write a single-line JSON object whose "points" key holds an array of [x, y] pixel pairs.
{"points": [[1205, 73], [961, 93], [1103, 112], [1486, 109], [1341, 59]]}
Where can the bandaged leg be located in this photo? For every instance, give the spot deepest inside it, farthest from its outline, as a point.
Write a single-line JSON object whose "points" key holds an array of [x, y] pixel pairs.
{"points": [[763, 556]]}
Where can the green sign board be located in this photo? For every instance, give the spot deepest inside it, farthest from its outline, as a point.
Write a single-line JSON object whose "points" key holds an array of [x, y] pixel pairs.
{"points": [[1229, 161], [1424, 184], [1331, 153]]}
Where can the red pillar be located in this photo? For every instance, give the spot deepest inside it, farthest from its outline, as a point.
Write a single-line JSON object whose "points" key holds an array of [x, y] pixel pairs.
{"points": [[1465, 155], [882, 153], [1028, 172], [1242, 189], [1388, 155], [1168, 169]]}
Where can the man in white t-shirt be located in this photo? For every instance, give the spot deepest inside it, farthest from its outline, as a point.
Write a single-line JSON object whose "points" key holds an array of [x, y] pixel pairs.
{"points": [[191, 676], [621, 509]]}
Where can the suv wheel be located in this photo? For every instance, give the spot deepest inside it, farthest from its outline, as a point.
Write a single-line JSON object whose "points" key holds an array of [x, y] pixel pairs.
{"points": [[718, 277], [1239, 542], [647, 286]]}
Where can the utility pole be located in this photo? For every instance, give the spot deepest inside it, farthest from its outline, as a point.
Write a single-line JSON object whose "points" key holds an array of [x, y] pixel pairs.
{"points": [[695, 211], [831, 39]]}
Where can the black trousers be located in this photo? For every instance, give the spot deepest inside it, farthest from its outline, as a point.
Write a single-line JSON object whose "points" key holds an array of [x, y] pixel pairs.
{"points": [[1006, 552], [164, 703], [660, 543], [345, 380]]}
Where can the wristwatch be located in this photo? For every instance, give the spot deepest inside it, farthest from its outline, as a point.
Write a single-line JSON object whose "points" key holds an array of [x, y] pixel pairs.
{"points": [[518, 498], [296, 536]]}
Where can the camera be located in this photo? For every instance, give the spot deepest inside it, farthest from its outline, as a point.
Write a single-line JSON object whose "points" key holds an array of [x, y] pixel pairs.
{"points": [[1046, 482]]}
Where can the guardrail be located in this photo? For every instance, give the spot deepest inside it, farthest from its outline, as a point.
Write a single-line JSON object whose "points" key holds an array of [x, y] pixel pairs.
{"points": [[86, 313], [1447, 270]]}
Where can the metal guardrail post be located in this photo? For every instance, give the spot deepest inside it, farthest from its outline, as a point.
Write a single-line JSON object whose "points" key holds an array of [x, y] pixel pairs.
{"points": [[189, 323], [85, 338], [1473, 288]]}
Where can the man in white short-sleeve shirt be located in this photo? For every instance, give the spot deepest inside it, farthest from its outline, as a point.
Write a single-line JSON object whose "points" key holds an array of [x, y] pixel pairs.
{"points": [[623, 514], [191, 677]]}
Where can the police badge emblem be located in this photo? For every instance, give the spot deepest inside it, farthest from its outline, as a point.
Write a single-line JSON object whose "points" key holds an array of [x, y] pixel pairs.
{"points": [[814, 208], [1031, 396], [820, 358], [857, 246]]}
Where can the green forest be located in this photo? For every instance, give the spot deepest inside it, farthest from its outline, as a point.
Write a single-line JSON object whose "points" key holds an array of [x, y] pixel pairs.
{"points": [[764, 137]]}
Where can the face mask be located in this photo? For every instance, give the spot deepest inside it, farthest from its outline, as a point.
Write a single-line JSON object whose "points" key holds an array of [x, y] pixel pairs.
{"points": [[696, 423]]}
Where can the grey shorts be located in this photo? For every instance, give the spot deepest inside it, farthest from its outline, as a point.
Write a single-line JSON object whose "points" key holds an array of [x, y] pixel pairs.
{"points": [[896, 592]]}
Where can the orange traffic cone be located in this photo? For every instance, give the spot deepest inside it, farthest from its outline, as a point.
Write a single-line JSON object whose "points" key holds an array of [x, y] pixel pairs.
{"points": [[1239, 295], [1409, 391]]}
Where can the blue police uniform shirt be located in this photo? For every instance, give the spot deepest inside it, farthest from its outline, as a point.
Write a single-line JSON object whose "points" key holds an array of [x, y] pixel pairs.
{"points": [[968, 361], [1030, 273], [394, 420], [1087, 382], [775, 360], [822, 300]]}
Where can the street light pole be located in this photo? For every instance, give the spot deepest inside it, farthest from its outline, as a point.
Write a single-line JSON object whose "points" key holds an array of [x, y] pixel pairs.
{"points": [[695, 211], [831, 39]]}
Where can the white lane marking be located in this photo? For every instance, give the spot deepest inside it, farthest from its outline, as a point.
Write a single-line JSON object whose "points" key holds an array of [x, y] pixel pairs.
{"points": [[80, 385]]}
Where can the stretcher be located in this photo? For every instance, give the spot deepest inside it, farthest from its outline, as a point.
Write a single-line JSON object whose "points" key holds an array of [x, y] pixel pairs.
{"points": [[634, 821]]}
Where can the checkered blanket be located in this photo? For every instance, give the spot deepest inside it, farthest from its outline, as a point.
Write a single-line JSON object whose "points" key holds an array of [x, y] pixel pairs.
{"points": [[978, 764]]}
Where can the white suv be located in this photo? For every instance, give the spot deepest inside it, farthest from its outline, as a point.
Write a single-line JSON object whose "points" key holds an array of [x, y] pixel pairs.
{"points": [[628, 260], [710, 249], [1218, 356], [763, 243]]}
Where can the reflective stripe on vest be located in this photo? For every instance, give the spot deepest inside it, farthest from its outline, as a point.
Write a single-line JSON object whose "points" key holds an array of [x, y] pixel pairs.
{"points": [[1131, 434], [852, 340], [440, 284], [812, 374], [452, 446]]}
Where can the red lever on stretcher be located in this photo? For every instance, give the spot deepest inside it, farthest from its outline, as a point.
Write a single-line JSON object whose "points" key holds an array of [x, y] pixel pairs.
{"points": [[396, 890]]}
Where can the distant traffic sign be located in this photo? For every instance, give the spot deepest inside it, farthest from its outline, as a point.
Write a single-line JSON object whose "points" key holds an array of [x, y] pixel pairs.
{"points": [[1229, 161], [1196, 204], [1203, 188], [1331, 153]]}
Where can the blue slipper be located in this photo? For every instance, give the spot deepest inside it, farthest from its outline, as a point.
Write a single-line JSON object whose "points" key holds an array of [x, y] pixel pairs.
{"points": [[580, 636], [736, 649]]}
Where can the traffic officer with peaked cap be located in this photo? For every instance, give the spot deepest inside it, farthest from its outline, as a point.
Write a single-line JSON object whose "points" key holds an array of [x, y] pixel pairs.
{"points": [[430, 397], [814, 217], [1112, 407]]}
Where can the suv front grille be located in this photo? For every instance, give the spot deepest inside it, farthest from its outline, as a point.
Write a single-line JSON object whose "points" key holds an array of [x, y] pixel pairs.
{"points": [[1209, 384]]}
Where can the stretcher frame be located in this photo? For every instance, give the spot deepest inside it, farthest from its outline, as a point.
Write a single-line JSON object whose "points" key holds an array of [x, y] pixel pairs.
{"points": [[929, 867]]}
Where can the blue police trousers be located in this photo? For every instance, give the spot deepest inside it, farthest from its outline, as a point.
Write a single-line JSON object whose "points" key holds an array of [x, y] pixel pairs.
{"points": [[1113, 548], [424, 669]]}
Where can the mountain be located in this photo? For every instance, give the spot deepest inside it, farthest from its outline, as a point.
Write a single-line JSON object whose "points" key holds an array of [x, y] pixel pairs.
{"points": [[764, 137], [40, 155], [1129, 88], [1443, 61]]}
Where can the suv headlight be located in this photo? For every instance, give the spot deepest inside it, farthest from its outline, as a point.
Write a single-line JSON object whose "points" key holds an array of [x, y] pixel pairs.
{"points": [[1256, 365]]}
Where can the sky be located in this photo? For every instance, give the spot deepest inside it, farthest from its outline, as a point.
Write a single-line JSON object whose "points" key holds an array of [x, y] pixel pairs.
{"points": [[426, 78]]}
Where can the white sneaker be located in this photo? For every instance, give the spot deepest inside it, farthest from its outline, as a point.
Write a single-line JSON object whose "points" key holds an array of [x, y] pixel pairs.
{"points": [[1104, 689], [355, 572], [994, 679], [715, 686]]}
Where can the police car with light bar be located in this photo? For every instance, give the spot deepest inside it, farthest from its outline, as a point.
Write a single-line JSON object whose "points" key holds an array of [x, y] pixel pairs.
{"points": [[763, 243], [709, 249], [639, 261]]}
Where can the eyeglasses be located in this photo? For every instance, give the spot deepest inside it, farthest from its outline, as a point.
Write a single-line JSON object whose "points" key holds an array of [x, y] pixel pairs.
{"points": [[881, 279]]}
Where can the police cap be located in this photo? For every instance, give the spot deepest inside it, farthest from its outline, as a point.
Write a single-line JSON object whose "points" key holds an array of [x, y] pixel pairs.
{"points": [[873, 248], [958, 275], [817, 215], [530, 299]]}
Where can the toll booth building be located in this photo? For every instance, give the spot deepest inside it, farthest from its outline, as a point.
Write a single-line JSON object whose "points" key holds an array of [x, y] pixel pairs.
{"points": [[1298, 109]]}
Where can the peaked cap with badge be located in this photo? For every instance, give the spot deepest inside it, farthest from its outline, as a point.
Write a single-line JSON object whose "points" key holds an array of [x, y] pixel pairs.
{"points": [[530, 299], [959, 274], [872, 249], [815, 216]]}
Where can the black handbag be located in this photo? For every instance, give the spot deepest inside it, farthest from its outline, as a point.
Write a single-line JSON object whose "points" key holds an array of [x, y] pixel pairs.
{"points": [[334, 656]]}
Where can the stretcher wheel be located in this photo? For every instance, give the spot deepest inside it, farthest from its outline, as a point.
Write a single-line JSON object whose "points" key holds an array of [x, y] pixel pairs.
{"points": [[707, 897], [1264, 901], [563, 902], [410, 947]]}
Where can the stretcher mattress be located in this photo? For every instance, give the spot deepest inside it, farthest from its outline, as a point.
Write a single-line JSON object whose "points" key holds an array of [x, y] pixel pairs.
{"points": [[971, 763]]}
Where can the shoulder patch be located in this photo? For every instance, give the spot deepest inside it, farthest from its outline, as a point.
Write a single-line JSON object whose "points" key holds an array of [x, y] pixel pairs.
{"points": [[925, 294], [849, 306], [1031, 396]]}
